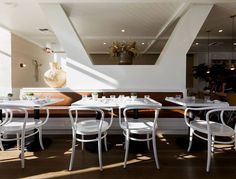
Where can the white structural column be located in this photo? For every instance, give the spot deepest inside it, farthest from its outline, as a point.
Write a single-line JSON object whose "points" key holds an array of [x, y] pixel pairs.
{"points": [[167, 75], [184, 34]]}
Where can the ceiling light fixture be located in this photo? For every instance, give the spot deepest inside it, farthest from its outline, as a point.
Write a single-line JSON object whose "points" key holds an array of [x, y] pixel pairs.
{"points": [[104, 43], [123, 30], [143, 43], [196, 43], [232, 67], [220, 30], [208, 49]]}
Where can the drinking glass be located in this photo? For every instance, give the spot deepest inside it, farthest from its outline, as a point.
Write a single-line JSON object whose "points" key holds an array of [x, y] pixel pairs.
{"points": [[177, 96], [146, 96]]}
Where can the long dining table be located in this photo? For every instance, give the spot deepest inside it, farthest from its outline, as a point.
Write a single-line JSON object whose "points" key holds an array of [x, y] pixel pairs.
{"points": [[195, 102]]}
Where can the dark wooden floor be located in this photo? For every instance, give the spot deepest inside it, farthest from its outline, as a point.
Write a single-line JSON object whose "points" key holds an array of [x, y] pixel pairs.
{"points": [[175, 162]]}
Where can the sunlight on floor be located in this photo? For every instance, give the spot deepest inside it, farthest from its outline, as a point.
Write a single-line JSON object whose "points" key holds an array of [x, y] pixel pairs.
{"points": [[185, 156], [64, 173]]}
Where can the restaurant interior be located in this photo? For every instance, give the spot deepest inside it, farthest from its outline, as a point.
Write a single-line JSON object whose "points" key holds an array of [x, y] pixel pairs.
{"points": [[117, 88]]}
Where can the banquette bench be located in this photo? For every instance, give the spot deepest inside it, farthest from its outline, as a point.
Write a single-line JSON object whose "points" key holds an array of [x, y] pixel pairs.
{"points": [[59, 111], [168, 109]]}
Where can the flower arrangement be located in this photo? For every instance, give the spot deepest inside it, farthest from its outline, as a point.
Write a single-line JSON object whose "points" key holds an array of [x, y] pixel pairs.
{"points": [[123, 47]]}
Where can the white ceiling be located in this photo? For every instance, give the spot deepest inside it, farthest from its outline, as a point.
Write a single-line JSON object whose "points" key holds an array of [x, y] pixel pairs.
{"points": [[99, 21]]}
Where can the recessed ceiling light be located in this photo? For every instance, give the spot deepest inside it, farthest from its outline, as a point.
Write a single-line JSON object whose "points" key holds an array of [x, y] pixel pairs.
{"points": [[234, 43], [196, 43], [123, 30], [220, 30], [143, 43], [104, 43]]}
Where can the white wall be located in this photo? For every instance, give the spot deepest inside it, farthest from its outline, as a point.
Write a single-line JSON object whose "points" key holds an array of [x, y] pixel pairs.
{"points": [[169, 73], [25, 52], [5, 62]]}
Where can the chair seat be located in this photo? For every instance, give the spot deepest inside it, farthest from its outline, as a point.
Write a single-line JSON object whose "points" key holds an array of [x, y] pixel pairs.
{"points": [[138, 126], [217, 129], [16, 126], [91, 127]]}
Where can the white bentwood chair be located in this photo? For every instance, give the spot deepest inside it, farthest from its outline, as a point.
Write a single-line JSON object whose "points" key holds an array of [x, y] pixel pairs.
{"points": [[213, 125], [140, 126], [17, 129], [89, 127]]}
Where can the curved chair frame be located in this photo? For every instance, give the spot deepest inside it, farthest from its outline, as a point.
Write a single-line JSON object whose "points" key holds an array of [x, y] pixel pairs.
{"points": [[20, 135], [211, 133], [100, 134], [150, 131]]}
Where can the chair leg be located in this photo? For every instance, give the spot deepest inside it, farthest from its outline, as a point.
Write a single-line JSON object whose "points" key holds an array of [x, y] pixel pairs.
{"points": [[155, 150], [105, 143], [40, 138], [72, 154], [100, 153], [212, 143], [148, 142], [190, 139], [18, 141], [82, 143], [126, 148], [235, 143], [22, 155], [209, 145], [1, 146]]}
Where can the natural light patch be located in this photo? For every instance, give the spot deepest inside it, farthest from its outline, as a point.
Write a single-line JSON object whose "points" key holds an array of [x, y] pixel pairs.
{"points": [[64, 173], [82, 73], [162, 138], [52, 157], [119, 145], [11, 157], [185, 156]]}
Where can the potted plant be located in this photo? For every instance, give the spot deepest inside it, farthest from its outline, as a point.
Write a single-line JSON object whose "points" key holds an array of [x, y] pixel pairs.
{"points": [[126, 51]]}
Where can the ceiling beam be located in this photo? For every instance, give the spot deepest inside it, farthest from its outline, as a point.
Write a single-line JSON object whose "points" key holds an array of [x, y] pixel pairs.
{"points": [[177, 14]]}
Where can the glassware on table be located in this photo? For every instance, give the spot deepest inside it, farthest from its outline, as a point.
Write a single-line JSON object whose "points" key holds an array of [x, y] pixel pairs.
{"points": [[206, 98], [112, 97], [84, 96], [133, 98], [146, 96], [177, 96], [94, 96], [104, 99]]}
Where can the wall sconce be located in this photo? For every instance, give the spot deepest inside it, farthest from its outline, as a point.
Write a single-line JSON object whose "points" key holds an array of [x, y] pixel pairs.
{"points": [[22, 65], [48, 50]]}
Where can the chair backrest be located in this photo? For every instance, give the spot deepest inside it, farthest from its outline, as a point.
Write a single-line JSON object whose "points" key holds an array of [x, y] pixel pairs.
{"points": [[188, 113], [152, 109], [9, 115], [74, 113], [227, 115]]}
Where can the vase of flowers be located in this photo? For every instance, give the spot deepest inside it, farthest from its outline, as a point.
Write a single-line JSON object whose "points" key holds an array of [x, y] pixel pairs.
{"points": [[125, 51]]}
